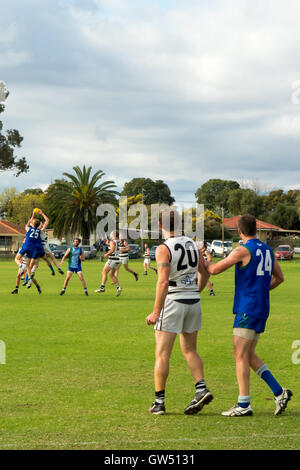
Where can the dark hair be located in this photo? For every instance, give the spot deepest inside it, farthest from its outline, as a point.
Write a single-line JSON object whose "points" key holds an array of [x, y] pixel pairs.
{"points": [[77, 238], [169, 219], [247, 225], [36, 223]]}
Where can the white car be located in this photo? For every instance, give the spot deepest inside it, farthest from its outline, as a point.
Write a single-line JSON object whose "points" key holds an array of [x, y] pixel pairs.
{"points": [[216, 248]]}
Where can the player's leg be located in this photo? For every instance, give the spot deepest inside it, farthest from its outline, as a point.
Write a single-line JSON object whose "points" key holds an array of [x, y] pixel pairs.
{"points": [[80, 275], [45, 258], [105, 272], [67, 279], [18, 259], [54, 260], [164, 345], [145, 269], [281, 395], [241, 352], [130, 270], [115, 279], [18, 278]]}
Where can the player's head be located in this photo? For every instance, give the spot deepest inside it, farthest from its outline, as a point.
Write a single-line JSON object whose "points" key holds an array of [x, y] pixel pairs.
{"points": [[247, 225], [114, 235], [146, 245], [76, 241], [36, 223], [169, 220]]}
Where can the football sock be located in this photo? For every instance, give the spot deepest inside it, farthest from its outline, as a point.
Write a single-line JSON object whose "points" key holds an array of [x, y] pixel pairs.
{"points": [[244, 401], [26, 277], [160, 397], [266, 375], [200, 386], [51, 268]]}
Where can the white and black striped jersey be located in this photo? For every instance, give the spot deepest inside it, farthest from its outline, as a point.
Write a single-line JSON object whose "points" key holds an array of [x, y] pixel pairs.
{"points": [[44, 237], [184, 260], [123, 253], [116, 253], [147, 254]]}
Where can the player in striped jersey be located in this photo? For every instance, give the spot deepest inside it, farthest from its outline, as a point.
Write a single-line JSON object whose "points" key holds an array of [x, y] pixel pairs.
{"points": [[124, 249], [181, 278], [112, 264], [147, 260]]}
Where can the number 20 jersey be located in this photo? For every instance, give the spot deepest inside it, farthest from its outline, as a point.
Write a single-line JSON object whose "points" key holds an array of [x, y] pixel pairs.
{"points": [[252, 282], [184, 260]]}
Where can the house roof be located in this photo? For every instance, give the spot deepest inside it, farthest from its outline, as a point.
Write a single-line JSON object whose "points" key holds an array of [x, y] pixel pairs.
{"points": [[231, 223], [10, 229]]}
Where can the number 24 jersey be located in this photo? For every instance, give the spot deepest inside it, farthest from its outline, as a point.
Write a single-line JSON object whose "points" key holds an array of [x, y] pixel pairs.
{"points": [[252, 282]]}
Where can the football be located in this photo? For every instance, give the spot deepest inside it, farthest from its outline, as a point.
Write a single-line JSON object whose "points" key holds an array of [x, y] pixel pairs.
{"points": [[36, 211]]}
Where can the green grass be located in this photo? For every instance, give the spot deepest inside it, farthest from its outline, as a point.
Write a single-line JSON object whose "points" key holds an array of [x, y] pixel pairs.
{"points": [[79, 370]]}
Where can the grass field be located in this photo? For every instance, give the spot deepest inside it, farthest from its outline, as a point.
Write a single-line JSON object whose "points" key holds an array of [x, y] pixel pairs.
{"points": [[79, 370]]}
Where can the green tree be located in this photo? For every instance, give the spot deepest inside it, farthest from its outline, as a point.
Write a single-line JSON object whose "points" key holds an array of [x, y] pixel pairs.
{"points": [[154, 192], [11, 140], [286, 217], [6, 202], [72, 203], [244, 201], [214, 194]]}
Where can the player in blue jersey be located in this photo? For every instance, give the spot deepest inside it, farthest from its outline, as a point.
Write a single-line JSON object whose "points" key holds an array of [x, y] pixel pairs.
{"points": [[32, 247], [256, 273], [76, 256]]}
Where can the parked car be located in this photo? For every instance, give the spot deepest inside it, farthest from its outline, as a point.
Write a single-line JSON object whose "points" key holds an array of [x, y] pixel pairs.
{"points": [[89, 252], [216, 248], [284, 252], [152, 251], [53, 246], [60, 250], [135, 251]]}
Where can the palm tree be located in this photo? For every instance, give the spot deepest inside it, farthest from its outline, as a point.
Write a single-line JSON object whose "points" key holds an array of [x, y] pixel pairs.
{"points": [[72, 203]]}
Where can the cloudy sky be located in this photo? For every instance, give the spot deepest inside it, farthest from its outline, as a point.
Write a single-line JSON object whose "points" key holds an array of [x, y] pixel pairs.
{"points": [[179, 90]]}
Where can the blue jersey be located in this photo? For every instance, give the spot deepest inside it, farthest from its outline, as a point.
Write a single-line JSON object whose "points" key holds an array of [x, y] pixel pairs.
{"points": [[33, 238], [74, 258], [252, 282]]}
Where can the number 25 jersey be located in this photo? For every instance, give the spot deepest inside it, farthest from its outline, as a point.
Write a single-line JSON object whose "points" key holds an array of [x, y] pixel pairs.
{"points": [[184, 259], [252, 282]]}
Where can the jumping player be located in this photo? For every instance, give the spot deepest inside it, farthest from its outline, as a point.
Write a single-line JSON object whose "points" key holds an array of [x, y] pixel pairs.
{"points": [[112, 264], [76, 256], [181, 276], [256, 273], [21, 270]]}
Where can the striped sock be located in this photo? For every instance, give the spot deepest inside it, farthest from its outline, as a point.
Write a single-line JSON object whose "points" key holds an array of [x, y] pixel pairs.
{"points": [[244, 401], [264, 373], [160, 397], [200, 386]]}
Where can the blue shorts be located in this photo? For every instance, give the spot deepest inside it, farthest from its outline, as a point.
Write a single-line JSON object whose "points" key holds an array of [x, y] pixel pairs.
{"points": [[75, 270], [32, 252], [242, 320]]}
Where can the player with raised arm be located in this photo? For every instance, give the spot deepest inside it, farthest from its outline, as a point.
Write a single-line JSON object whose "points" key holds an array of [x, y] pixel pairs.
{"points": [[112, 263], [256, 273], [147, 260], [21, 270], [181, 278], [76, 257], [207, 256]]}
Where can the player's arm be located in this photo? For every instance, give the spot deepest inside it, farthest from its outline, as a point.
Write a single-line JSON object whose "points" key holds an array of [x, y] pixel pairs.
{"points": [[162, 256], [46, 221], [112, 246], [208, 255], [82, 257], [29, 222], [65, 256], [239, 256], [203, 274], [127, 247], [277, 275]]}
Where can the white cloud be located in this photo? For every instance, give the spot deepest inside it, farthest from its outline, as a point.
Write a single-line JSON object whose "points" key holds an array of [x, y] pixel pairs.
{"points": [[181, 91]]}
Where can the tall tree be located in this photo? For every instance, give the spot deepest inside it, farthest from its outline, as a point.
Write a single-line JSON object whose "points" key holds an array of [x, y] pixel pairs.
{"points": [[154, 192], [214, 194], [72, 202], [10, 140]]}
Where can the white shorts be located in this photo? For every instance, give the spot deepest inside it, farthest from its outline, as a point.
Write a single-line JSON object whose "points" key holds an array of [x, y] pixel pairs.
{"points": [[47, 248], [113, 263], [124, 260], [177, 317], [147, 260]]}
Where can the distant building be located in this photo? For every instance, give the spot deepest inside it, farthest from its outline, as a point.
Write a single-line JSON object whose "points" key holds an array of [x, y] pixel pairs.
{"points": [[11, 237], [265, 231]]}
